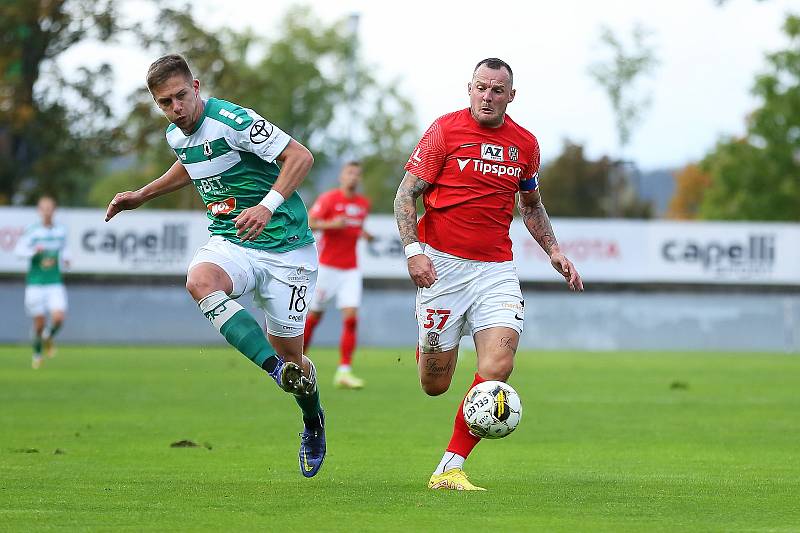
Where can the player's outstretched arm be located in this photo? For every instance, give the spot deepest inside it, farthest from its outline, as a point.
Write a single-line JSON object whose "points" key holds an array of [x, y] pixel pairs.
{"points": [[420, 267], [176, 177], [536, 220]]}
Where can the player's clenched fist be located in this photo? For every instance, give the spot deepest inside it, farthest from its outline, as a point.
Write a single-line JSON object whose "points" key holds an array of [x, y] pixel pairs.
{"points": [[122, 201], [251, 222]]}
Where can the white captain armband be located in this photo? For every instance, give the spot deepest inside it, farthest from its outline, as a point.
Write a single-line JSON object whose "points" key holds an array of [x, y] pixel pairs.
{"points": [[272, 200]]}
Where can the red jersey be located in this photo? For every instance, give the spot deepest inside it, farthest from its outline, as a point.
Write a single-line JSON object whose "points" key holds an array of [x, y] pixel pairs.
{"points": [[475, 173], [337, 247]]}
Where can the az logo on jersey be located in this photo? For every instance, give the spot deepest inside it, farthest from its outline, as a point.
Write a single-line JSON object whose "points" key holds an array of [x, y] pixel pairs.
{"points": [[492, 152], [223, 207]]}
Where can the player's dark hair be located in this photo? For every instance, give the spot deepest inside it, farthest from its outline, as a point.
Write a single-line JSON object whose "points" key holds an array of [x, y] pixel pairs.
{"points": [[165, 67], [495, 64]]}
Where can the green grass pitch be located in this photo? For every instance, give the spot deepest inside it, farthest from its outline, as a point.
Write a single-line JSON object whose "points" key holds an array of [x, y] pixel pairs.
{"points": [[608, 442]]}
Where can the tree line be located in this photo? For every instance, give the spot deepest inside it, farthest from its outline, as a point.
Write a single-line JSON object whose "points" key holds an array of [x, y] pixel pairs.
{"points": [[59, 134]]}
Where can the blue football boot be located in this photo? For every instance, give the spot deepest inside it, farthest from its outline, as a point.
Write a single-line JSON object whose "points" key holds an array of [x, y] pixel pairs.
{"points": [[287, 375], [312, 446]]}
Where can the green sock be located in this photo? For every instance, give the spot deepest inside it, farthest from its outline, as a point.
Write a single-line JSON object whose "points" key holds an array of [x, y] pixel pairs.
{"points": [[309, 404], [54, 329], [245, 334], [238, 327], [37, 344]]}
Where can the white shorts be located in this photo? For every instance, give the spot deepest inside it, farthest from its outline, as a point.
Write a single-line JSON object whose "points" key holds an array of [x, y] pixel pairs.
{"points": [[468, 296], [344, 285], [282, 282], [43, 299]]}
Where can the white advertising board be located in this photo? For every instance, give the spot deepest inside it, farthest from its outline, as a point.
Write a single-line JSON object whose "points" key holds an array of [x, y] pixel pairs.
{"points": [[151, 242], [137, 242]]}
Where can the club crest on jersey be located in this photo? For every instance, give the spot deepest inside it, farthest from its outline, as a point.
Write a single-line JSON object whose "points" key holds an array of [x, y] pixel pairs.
{"points": [[223, 207], [513, 153], [206, 148], [491, 152]]}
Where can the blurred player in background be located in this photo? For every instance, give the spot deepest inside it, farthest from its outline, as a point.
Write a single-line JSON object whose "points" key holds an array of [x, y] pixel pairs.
{"points": [[260, 240], [339, 214], [469, 167], [44, 244]]}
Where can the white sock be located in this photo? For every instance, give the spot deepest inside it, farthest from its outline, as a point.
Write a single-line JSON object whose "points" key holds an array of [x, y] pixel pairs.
{"points": [[449, 461], [218, 308], [344, 368]]}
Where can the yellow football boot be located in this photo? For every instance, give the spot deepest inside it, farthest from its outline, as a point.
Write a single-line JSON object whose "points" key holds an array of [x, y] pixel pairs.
{"points": [[344, 379], [453, 479]]}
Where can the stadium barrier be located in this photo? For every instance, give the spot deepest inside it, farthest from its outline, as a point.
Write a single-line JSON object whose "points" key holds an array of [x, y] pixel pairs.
{"points": [[161, 243]]}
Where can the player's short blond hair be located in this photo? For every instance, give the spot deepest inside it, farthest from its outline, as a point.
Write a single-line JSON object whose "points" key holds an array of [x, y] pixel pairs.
{"points": [[166, 67]]}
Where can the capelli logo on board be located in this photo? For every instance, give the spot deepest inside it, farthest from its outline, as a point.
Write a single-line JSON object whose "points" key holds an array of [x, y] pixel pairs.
{"points": [[754, 255], [166, 245]]}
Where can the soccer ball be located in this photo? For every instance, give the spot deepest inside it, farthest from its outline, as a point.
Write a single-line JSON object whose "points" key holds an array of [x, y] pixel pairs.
{"points": [[492, 409]]}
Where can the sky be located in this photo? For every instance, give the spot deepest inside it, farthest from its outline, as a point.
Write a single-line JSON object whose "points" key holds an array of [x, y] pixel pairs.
{"points": [[708, 57]]}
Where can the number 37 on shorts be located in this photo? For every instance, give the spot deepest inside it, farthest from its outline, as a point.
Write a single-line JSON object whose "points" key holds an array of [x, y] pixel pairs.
{"points": [[436, 318]]}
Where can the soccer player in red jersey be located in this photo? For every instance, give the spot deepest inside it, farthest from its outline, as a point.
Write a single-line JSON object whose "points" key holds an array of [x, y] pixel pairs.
{"points": [[469, 167], [339, 214]]}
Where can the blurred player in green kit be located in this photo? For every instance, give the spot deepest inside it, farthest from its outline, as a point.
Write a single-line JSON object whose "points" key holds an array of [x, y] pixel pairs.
{"points": [[44, 245]]}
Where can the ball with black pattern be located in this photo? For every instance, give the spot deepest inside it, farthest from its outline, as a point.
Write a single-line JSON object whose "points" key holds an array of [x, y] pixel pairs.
{"points": [[492, 409]]}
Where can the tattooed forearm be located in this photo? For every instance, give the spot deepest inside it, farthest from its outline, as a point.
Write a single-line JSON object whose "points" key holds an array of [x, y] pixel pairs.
{"points": [[536, 220], [405, 207]]}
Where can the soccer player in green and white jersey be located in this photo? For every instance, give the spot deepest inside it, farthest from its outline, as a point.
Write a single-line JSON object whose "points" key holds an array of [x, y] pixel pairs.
{"points": [[260, 240], [44, 245]]}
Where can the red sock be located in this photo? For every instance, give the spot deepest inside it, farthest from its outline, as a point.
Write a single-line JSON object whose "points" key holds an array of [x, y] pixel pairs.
{"points": [[311, 322], [462, 442], [348, 342]]}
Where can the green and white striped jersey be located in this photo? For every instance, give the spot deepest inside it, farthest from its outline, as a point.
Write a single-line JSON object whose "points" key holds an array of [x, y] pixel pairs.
{"points": [[45, 247], [230, 156]]}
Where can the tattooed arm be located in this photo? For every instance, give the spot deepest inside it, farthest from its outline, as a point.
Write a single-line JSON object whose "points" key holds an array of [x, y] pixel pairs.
{"points": [[536, 220], [405, 207], [420, 267]]}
